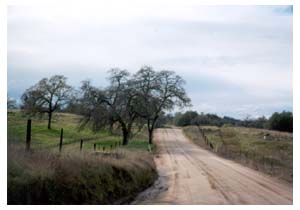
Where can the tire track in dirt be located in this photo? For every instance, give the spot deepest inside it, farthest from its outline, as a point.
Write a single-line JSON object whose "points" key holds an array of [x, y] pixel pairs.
{"points": [[232, 196], [189, 174]]}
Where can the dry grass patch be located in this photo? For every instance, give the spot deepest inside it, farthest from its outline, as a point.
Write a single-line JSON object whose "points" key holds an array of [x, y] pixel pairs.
{"points": [[272, 154], [44, 177]]}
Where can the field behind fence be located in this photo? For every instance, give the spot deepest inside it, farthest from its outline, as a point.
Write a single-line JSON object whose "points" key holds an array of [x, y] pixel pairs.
{"points": [[264, 150], [65, 136]]}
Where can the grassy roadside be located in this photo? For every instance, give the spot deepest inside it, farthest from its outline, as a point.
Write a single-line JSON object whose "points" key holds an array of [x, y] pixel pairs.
{"points": [[273, 155], [73, 178], [43, 138], [45, 176]]}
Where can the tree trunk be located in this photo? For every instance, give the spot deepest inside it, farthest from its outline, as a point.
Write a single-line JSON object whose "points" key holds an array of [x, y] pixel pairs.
{"points": [[49, 120], [125, 136], [110, 129], [150, 134], [151, 127]]}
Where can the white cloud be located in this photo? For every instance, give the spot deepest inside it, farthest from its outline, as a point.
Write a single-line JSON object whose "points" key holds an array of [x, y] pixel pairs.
{"points": [[247, 48]]}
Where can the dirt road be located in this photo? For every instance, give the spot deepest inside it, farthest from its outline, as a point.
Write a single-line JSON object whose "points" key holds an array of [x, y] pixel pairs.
{"points": [[192, 175]]}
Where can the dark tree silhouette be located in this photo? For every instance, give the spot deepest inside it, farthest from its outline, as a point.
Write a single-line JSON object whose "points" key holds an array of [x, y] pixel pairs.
{"points": [[47, 96], [158, 92], [114, 104], [281, 121], [135, 100]]}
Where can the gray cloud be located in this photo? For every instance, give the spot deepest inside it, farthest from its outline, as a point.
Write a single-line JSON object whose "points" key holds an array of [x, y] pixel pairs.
{"points": [[232, 57]]}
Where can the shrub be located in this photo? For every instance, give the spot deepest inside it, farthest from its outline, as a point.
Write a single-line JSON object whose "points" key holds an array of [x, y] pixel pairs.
{"points": [[281, 121], [186, 118]]}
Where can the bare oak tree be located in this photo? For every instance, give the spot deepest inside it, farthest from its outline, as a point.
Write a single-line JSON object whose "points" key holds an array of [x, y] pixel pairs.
{"points": [[158, 92], [133, 101], [47, 96], [94, 110], [114, 104], [120, 98]]}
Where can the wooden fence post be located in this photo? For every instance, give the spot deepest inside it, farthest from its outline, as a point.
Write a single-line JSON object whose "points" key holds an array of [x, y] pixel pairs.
{"points": [[28, 135], [81, 143], [211, 146], [149, 148], [61, 139], [272, 165]]}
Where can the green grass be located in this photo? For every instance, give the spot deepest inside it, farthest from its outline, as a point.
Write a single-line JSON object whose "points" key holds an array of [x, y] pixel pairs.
{"points": [[44, 138], [273, 155]]}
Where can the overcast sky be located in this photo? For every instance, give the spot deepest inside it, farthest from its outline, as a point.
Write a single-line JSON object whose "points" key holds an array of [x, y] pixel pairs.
{"points": [[236, 60]]}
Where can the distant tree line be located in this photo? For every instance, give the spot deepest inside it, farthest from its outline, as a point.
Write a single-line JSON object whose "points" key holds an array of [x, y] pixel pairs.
{"points": [[278, 121], [281, 121], [129, 102], [11, 103]]}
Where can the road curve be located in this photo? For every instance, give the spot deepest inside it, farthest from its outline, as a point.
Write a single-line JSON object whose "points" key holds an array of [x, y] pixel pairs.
{"points": [[192, 175]]}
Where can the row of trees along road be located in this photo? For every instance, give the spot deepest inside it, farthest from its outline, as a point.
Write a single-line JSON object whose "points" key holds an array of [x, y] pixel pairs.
{"points": [[129, 100]]}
